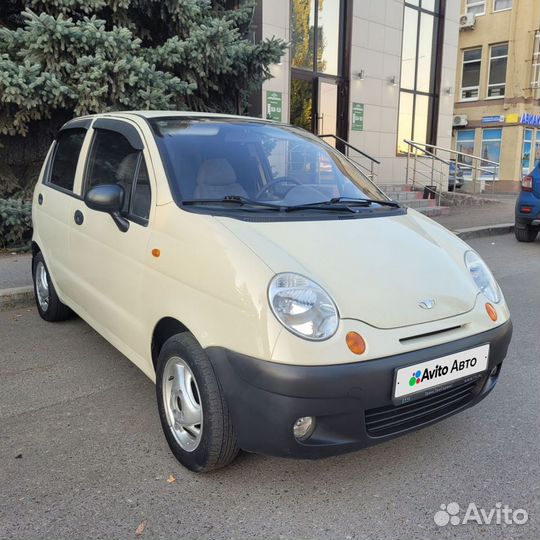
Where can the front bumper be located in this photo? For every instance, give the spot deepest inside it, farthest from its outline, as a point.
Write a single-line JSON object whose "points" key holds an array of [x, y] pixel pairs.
{"points": [[352, 402]]}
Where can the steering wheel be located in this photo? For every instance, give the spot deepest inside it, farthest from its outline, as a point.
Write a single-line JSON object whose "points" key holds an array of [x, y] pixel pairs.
{"points": [[276, 182]]}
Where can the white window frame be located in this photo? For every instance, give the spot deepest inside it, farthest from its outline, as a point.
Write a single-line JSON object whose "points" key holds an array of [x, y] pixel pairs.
{"points": [[489, 70], [495, 10], [477, 88], [535, 65], [475, 3]]}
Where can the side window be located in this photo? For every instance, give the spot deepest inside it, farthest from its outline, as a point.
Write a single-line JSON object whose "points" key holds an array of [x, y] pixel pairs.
{"points": [[140, 203], [114, 161], [66, 155]]}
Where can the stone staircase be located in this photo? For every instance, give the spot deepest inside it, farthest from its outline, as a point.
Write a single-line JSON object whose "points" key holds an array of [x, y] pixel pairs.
{"points": [[403, 194]]}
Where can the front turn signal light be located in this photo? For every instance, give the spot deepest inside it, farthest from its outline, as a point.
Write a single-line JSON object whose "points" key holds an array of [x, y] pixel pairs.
{"points": [[356, 343], [492, 313]]}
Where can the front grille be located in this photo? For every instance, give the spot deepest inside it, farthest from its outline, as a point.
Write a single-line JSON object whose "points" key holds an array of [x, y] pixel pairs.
{"points": [[395, 418]]}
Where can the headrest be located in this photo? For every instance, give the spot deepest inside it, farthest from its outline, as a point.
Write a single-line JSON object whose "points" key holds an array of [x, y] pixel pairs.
{"points": [[216, 172]]}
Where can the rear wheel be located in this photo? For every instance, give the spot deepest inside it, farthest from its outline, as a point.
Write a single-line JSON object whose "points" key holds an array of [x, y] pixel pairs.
{"points": [[192, 408], [526, 234], [48, 304]]}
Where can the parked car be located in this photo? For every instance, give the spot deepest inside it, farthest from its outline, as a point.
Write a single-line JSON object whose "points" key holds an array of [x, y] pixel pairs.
{"points": [[455, 176], [279, 300], [528, 207]]}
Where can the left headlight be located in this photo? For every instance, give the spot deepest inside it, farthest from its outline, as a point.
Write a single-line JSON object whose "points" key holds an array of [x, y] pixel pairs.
{"points": [[482, 276], [303, 307]]}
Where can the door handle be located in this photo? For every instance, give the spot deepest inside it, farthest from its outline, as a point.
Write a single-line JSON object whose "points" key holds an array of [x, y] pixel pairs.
{"points": [[78, 217]]}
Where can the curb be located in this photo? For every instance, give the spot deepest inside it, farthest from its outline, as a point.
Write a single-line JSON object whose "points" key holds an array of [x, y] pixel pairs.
{"points": [[16, 297], [481, 232]]}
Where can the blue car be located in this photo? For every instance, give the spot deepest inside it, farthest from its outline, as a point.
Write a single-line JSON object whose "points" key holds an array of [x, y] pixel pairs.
{"points": [[528, 207]]}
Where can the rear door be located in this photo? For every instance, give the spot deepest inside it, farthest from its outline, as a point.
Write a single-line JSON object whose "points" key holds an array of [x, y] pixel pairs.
{"points": [[54, 200], [110, 263]]}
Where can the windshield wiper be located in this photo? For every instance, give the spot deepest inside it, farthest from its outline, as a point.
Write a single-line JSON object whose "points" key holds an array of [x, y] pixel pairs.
{"points": [[236, 199], [341, 203]]}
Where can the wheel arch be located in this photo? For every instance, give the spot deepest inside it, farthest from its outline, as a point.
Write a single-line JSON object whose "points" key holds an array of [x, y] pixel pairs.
{"points": [[165, 328]]}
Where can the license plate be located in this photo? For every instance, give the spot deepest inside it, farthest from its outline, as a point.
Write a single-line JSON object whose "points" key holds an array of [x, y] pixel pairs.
{"points": [[426, 375]]}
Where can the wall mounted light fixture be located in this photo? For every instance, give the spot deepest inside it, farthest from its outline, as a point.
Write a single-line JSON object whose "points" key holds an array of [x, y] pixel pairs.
{"points": [[448, 90], [361, 75], [392, 81]]}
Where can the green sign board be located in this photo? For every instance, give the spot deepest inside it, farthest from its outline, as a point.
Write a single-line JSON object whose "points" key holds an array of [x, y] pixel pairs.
{"points": [[358, 117], [274, 105]]}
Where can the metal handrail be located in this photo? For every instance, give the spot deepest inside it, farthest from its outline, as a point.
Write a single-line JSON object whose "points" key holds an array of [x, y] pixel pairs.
{"points": [[428, 152], [370, 171], [462, 165], [349, 145], [449, 150]]}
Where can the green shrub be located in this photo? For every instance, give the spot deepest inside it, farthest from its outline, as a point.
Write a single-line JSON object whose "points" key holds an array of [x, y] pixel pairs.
{"points": [[15, 222]]}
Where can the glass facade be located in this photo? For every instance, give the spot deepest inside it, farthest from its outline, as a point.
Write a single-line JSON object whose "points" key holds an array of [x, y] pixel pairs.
{"points": [[491, 150], [526, 156], [420, 59], [317, 65], [315, 35], [465, 144]]}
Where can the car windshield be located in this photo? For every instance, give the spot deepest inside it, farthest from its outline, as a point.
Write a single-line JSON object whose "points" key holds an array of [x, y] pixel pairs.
{"points": [[264, 166]]}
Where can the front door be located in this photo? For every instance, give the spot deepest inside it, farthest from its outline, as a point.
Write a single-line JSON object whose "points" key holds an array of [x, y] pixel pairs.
{"points": [[110, 264]]}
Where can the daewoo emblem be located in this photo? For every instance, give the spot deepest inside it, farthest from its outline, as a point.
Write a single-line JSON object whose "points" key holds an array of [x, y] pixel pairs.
{"points": [[428, 303]]}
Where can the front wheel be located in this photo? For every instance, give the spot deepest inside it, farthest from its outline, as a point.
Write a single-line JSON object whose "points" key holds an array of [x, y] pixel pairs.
{"points": [[527, 234], [192, 408]]}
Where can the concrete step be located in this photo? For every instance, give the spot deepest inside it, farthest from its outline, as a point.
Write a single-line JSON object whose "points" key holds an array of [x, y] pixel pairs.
{"points": [[434, 211], [394, 187]]}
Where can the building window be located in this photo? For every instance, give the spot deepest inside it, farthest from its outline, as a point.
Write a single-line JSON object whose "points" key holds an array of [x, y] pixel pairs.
{"points": [[465, 145], [315, 50], [502, 5], [535, 65], [476, 7], [527, 149], [491, 152], [420, 61], [470, 80], [498, 57]]}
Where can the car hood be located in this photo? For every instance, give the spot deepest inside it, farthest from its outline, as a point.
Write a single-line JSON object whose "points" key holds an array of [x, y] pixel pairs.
{"points": [[378, 270]]}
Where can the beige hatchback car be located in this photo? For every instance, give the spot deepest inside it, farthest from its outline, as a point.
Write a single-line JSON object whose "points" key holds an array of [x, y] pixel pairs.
{"points": [[280, 301]]}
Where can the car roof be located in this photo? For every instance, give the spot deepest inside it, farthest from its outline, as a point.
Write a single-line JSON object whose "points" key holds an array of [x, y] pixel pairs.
{"points": [[184, 114]]}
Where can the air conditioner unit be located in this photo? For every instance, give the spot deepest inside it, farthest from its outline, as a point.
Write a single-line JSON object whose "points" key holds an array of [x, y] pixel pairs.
{"points": [[460, 120], [467, 21]]}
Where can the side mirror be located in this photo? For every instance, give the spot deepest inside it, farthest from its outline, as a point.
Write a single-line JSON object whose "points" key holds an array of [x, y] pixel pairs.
{"points": [[108, 198]]}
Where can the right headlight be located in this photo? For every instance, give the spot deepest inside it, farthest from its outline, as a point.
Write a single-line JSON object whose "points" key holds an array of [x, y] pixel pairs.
{"points": [[303, 307], [482, 276]]}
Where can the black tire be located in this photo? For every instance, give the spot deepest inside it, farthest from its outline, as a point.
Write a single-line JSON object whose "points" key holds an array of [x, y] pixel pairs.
{"points": [[527, 234], [218, 444], [54, 310]]}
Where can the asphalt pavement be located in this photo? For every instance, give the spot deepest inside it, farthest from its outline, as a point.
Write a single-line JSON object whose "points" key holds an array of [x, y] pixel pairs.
{"points": [[82, 454]]}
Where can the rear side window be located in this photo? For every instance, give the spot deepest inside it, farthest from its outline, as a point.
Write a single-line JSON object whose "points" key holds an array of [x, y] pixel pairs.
{"points": [[66, 155], [114, 161]]}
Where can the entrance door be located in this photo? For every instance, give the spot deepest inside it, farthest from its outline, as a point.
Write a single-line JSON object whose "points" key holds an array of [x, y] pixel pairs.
{"points": [[327, 109], [314, 104]]}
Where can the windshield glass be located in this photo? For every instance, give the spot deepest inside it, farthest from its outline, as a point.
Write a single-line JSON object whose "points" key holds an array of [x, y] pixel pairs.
{"points": [[254, 162]]}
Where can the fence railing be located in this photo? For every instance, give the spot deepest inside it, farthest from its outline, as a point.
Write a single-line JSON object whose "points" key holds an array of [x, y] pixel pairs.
{"points": [[427, 168]]}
